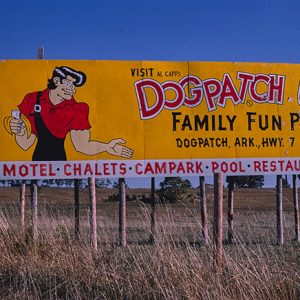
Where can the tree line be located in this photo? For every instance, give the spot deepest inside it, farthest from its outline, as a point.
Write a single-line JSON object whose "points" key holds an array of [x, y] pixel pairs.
{"points": [[171, 189]]}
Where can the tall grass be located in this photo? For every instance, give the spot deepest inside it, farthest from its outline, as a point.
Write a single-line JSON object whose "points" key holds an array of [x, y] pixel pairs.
{"points": [[177, 266]]}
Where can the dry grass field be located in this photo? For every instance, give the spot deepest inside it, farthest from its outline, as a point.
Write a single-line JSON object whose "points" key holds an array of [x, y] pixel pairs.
{"points": [[177, 266]]}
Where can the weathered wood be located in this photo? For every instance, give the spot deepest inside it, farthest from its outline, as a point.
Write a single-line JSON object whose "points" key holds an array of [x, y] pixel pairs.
{"points": [[41, 53], [77, 208], [34, 209], [218, 219], [230, 209], [203, 210], [33, 190], [92, 213], [279, 214], [152, 212], [122, 213], [22, 202], [296, 209]]}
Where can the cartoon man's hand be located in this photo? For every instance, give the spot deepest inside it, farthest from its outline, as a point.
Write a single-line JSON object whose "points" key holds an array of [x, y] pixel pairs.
{"points": [[17, 127], [17, 124], [114, 148]]}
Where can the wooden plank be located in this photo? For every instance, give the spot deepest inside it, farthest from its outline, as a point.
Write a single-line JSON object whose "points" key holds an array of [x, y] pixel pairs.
{"points": [[33, 189], [92, 213], [34, 209], [296, 209], [152, 212], [230, 210], [41, 53], [76, 208], [122, 213], [218, 220], [22, 202], [203, 210], [279, 214]]}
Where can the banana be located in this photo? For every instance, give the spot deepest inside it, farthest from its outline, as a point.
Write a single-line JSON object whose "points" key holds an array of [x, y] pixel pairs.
{"points": [[6, 123], [7, 120], [27, 124]]}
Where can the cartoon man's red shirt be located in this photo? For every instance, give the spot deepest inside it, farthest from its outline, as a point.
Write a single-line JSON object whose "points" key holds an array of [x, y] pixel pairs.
{"points": [[59, 119]]}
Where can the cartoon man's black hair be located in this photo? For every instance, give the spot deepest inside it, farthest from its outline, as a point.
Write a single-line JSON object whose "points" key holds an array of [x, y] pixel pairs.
{"points": [[62, 72]]}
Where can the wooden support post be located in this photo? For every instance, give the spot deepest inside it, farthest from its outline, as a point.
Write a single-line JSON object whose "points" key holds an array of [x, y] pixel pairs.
{"points": [[152, 213], [34, 209], [296, 209], [22, 203], [203, 210], [122, 213], [92, 213], [41, 53], [230, 209], [33, 189], [218, 219], [279, 214], [76, 208]]}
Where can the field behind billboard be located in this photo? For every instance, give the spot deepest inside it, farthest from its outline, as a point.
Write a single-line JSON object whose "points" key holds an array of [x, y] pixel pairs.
{"points": [[177, 266]]}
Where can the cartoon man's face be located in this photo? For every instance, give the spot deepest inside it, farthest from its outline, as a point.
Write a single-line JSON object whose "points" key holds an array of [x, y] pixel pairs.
{"points": [[65, 88]]}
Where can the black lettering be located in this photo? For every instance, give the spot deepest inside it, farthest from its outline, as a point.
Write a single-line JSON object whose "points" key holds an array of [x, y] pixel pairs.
{"points": [[179, 143], [186, 123], [175, 120], [294, 117], [250, 120]]}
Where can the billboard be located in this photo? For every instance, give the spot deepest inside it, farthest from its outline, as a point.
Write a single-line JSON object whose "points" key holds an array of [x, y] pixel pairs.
{"points": [[75, 119]]}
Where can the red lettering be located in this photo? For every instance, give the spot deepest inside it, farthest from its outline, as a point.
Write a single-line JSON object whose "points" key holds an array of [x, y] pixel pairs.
{"points": [[88, 170], [194, 93], [276, 88], [172, 166], [189, 167], [281, 162], [137, 169], [106, 169], [214, 166], [97, 170], [224, 167], [148, 169], [66, 171], [123, 169], [212, 90], [190, 90], [273, 166], [296, 165], [23, 170], [77, 169], [199, 167], [245, 78], [114, 168], [43, 170], [160, 168], [233, 167], [51, 173], [256, 166], [179, 98], [264, 166], [180, 168], [147, 112], [288, 166], [228, 91], [9, 171], [241, 167], [33, 168], [255, 96]]}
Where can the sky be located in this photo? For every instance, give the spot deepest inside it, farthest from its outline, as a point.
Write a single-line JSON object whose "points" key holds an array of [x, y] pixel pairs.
{"points": [[156, 30]]}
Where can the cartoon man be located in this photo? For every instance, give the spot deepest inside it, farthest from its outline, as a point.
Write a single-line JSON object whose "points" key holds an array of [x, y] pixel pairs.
{"points": [[53, 113]]}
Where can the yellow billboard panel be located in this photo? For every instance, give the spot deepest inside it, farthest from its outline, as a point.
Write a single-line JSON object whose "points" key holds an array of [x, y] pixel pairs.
{"points": [[68, 119]]}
